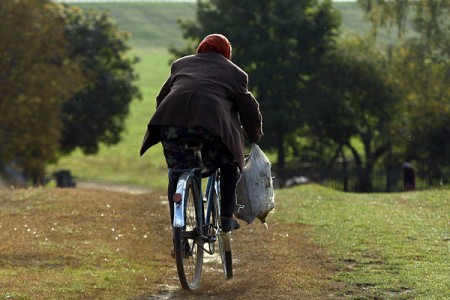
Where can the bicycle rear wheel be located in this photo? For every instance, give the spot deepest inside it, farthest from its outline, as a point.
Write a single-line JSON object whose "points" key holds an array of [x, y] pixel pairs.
{"points": [[224, 239], [187, 240]]}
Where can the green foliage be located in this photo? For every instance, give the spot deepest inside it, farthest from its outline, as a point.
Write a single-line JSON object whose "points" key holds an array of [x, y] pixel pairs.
{"points": [[96, 114], [351, 99], [36, 76]]}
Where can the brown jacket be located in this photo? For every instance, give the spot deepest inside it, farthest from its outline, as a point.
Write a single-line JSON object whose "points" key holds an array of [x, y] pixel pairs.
{"points": [[209, 91]]}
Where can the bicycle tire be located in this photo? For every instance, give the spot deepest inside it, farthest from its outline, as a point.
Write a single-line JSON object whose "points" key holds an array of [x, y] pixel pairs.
{"points": [[224, 239], [187, 240]]}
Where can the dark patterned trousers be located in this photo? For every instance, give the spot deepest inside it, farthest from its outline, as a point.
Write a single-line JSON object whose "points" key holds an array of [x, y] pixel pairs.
{"points": [[214, 155]]}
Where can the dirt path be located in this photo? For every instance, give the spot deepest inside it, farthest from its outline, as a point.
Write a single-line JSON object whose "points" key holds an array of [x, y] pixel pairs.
{"points": [[280, 262]]}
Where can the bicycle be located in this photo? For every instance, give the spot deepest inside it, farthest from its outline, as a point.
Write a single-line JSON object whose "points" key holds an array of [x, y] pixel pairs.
{"points": [[196, 230]]}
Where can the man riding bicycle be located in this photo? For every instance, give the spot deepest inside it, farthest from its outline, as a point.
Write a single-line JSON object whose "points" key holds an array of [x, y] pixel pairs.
{"points": [[206, 101]]}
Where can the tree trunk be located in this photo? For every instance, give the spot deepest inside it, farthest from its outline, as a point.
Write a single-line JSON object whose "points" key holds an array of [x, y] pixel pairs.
{"points": [[364, 171], [364, 182], [345, 172]]}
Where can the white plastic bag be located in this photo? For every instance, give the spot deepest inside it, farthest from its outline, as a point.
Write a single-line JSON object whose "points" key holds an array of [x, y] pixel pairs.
{"points": [[255, 196]]}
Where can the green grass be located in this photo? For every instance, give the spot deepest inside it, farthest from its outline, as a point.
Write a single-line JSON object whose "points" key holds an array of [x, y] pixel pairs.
{"points": [[386, 246]]}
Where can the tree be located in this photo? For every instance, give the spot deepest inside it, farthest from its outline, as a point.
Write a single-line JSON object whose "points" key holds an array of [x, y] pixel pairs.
{"points": [[421, 69], [96, 114], [353, 102], [279, 44], [35, 77], [65, 82]]}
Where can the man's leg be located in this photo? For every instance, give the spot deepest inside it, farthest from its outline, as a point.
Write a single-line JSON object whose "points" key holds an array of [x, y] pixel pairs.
{"points": [[228, 182]]}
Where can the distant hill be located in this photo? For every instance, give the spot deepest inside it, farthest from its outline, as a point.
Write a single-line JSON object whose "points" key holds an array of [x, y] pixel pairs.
{"points": [[154, 24]]}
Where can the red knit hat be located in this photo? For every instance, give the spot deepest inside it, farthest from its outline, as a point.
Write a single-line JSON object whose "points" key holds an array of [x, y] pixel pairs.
{"points": [[215, 43]]}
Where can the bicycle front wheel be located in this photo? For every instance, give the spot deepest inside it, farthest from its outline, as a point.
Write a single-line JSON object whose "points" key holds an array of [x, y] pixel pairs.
{"points": [[188, 240]]}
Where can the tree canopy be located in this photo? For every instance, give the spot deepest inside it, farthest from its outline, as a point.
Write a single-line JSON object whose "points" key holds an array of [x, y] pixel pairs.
{"points": [[36, 75], [65, 82], [354, 103], [96, 113]]}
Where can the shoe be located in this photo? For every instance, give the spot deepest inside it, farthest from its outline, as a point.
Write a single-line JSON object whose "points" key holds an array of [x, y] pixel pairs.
{"points": [[229, 224]]}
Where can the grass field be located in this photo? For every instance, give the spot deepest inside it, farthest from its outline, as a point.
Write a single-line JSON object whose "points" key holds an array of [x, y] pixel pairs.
{"points": [[390, 246], [321, 244]]}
